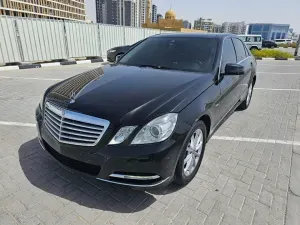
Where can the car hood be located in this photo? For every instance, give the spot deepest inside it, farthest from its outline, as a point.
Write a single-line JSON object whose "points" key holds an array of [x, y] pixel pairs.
{"points": [[127, 94], [120, 47]]}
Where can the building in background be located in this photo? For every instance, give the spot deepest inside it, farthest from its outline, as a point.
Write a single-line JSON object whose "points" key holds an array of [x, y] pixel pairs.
{"points": [[234, 27], [108, 12], [117, 12], [154, 14], [187, 24], [269, 31], [143, 6], [130, 17], [217, 28], [159, 16], [169, 23], [204, 24], [54, 9]]}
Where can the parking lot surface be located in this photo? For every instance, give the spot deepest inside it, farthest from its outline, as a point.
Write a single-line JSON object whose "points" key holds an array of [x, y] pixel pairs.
{"points": [[244, 178]]}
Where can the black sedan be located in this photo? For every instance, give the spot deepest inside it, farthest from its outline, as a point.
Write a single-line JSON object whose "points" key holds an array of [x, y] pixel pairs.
{"points": [[144, 121], [114, 52], [269, 44]]}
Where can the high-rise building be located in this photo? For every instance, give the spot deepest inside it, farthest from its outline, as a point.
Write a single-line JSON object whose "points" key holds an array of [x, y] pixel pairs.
{"points": [[187, 24], [130, 13], [108, 12], [204, 24], [154, 14], [47, 9], [217, 28], [269, 31], [143, 5], [117, 12], [234, 27], [158, 17]]}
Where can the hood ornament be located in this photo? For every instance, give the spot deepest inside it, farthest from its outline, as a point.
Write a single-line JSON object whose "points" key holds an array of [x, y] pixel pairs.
{"points": [[72, 97]]}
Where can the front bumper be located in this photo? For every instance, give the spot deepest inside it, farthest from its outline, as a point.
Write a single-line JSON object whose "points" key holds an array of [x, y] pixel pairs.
{"points": [[139, 166]]}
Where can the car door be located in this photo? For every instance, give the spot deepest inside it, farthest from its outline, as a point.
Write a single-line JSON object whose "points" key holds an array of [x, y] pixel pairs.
{"points": [[227, 83], [244, 59]]}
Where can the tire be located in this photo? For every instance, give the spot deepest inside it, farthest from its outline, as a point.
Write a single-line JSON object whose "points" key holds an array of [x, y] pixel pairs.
{"points": [[245, 104], [182, 175], [253, 48]]}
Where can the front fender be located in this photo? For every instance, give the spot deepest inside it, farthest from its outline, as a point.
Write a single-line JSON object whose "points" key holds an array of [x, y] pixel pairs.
{"points": [[204, 104]]}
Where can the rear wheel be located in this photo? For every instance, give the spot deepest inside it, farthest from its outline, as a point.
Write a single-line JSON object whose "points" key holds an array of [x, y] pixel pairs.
{"points": [[245, 104], [191, 154]]}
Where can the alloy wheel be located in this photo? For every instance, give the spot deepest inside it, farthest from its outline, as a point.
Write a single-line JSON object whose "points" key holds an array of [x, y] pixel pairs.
{"points": [[193, 152], [249, 95]]}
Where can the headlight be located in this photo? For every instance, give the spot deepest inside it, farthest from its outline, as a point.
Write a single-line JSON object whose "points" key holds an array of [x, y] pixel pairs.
{"points": [[122, 135], [112, 50], [157, 130]]}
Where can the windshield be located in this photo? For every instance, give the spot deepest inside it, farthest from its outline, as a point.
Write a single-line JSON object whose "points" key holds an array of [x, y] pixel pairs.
{"points": [[192, 54]]}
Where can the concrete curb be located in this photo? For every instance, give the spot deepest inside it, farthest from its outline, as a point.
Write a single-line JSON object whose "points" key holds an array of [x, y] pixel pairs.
{"points": [[289, 59], [40, 65]]}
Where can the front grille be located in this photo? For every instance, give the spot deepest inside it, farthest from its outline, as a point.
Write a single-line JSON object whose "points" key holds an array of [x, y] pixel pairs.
{"points": [[73, 128]]}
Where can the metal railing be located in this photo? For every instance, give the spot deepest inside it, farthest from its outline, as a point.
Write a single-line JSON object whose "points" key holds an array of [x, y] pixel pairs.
{"points": [[31, 39]]}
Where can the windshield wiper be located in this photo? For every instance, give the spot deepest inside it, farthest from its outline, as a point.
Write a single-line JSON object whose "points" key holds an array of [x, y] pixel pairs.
{"points": [[156, 67]]}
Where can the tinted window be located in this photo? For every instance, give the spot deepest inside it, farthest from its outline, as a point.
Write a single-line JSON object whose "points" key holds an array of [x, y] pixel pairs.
{"points": [[228, 55], [247, 51], [239, 48], [178, 53]]}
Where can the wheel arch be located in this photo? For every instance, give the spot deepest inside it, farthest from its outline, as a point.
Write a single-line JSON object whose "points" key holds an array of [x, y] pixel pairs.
{"points": [[207, 121]]}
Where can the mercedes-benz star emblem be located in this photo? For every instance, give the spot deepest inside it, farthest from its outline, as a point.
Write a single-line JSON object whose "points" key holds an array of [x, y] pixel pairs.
{"points": [[73, 94]]}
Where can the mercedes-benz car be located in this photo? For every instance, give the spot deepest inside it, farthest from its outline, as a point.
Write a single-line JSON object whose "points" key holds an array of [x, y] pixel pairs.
{"points": [[145, 120]]}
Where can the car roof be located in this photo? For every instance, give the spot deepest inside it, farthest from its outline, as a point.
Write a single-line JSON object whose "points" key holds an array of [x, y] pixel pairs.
{"points": [[200, 35]]}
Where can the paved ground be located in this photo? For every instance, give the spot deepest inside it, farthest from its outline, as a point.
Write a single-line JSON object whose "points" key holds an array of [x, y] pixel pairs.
{"points": [[244, 178]]}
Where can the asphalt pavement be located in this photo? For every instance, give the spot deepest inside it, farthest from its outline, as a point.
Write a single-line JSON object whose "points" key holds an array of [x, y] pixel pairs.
{"points": [[249, 173]]}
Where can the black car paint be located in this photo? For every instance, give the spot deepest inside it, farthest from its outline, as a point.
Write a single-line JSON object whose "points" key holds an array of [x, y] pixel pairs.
{"points": [[127, 95], [111, 56], [269, 44]]}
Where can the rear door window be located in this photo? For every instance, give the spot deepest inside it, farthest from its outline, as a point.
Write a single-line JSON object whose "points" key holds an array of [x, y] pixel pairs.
{"points": [[239, 49], [228, 55]]}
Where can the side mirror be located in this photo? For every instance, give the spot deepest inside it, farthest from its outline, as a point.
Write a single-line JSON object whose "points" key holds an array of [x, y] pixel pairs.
{"points": [[118, 57], [234, 69]]}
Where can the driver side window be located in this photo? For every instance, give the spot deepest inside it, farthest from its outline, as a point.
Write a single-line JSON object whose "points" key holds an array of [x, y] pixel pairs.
{"points": [[228, 55]]}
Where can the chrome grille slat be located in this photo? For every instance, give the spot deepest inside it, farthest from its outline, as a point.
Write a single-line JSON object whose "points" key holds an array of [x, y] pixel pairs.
{"points": [[52, 125], [82, 130], [50, 129], [55, 116], [79, 125], [74, 138], [73, 128], [78, 134], [53, 121]]}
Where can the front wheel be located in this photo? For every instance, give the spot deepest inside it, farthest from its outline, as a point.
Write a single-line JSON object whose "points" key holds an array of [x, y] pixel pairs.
{"points": [[245, 104], [191, 154]]}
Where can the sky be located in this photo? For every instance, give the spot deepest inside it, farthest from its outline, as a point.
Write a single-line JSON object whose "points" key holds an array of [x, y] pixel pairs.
{"points": [[253, 11]]}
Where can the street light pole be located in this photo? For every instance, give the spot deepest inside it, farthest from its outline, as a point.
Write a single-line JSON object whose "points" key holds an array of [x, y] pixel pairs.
{"points": [[297, 46]]}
